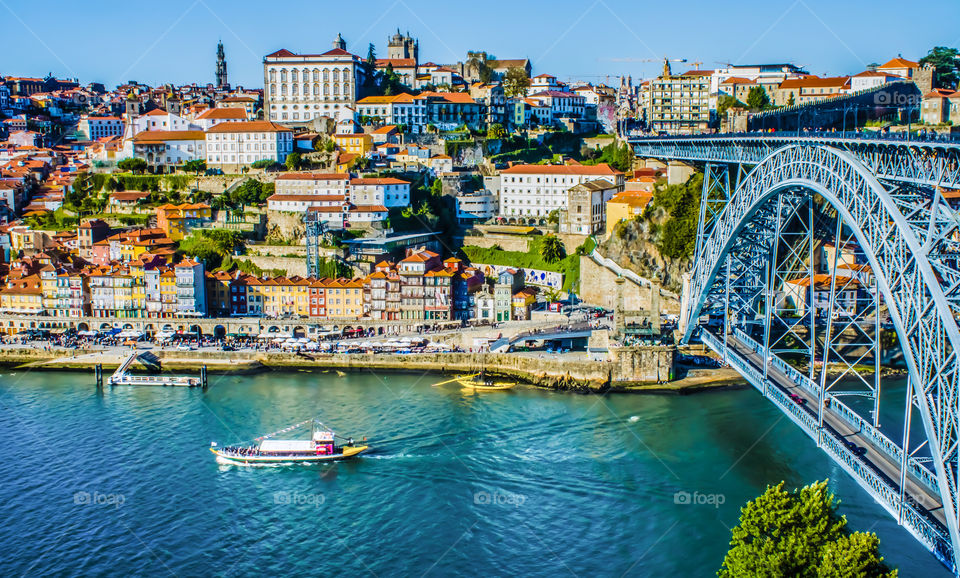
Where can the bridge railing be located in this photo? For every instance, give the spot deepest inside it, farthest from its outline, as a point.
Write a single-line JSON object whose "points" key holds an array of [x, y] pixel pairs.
{"points": [[865, 428], [928, 531], [872, 136]]}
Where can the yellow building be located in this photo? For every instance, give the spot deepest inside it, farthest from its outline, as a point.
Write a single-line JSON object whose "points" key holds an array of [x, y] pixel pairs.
{"points": [[356, 143], [168, 293], [344, 298], [177, 220], [522, 302], [346, 161], [138, 294], [624, 206], [22, 296]]}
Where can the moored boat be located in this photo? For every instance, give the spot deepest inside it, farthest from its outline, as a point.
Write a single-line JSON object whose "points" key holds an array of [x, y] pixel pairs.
{"points": [[482, 382], [321, 447]]}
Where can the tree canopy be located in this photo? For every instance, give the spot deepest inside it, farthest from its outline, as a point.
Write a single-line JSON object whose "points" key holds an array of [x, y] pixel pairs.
{"points": [[725, 102], [132, 164], [800, 533], [758, 99], [551, 249], [516, 82], [195, 166], [293, 161], [944, 60], [496, 130]]}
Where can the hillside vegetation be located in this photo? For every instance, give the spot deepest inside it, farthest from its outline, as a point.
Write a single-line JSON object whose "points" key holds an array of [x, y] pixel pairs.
{"points": [[659, 244]]}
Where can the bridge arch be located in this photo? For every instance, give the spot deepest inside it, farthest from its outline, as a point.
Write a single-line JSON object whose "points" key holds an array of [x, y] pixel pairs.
{"points": [[916, 288]]}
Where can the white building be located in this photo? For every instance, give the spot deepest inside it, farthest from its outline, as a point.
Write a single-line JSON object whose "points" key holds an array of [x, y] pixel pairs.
{"points": [[100, 126], [214, 116], [301, 87], [158, 119], [542, 82], [537, 190], [478, 206], [871, 79], [561, 104], [242, 143], [297, 192], [388, 192], [401, 109], [191, 289], [169, 148]]}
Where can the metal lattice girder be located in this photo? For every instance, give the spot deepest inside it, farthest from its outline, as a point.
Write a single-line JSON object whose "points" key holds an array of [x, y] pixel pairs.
{"points": [[915, 271], [920, 163]]}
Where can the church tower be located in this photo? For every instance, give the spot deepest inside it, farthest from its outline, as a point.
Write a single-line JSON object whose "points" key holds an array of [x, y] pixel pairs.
{"points": [[339, 43], [221, 83], [131, 113]]}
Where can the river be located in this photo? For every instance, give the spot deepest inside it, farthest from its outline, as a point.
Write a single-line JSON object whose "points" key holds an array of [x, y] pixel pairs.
{"points": [[524, 482]]}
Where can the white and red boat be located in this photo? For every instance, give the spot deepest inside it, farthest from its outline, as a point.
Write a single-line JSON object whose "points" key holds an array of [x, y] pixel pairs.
{"points": [[321, 447]]}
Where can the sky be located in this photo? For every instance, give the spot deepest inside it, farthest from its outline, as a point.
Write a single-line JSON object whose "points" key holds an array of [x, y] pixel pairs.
{"points": [[175, 41]]}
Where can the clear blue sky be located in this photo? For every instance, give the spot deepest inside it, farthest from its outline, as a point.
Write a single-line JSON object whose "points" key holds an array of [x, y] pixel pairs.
{"points": [[175, 41]]}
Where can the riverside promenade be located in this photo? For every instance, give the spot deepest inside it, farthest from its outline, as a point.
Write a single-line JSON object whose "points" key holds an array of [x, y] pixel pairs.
{"points": [[623, 369]]}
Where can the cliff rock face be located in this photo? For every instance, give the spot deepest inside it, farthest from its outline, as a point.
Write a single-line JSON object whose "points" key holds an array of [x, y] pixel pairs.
{"points": [[659, 244], [632, 246]]}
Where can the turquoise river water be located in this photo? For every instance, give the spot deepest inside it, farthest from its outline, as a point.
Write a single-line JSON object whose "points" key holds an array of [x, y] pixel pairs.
{"points": [[526, 482]]}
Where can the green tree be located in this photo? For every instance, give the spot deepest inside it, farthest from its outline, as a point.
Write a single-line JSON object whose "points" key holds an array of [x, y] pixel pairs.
{"points": [[133, 165], [800, 533], [371, 55], [390, 83], [516, 82], [329, 146], [496, 130], [293, 161], [791, 101], [551, 249], [195, 166], [726, 102], [436, 187], [944, 61], [263, 164], [757, 99]]}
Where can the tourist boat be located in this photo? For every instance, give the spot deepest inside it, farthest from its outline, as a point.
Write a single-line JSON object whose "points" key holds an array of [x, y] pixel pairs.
{"points": [[321, 447]]}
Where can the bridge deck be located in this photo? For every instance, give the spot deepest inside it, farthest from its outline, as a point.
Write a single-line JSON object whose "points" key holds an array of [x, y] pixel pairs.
{"points": [[918, 496]]}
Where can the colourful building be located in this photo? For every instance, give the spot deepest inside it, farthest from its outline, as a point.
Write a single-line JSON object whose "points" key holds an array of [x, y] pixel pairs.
{"points": [[177, 220], [355, 143]]}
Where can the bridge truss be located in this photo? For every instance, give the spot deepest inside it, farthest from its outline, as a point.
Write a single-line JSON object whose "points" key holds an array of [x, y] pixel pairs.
{"points": [[865, 231]]}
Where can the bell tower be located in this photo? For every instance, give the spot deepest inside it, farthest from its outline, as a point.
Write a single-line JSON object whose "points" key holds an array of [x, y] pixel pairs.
{"points": [[221, 83], [339, 42]]}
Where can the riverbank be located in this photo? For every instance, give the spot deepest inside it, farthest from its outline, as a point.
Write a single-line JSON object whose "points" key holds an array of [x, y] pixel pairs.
{"points": [[631, 370]]}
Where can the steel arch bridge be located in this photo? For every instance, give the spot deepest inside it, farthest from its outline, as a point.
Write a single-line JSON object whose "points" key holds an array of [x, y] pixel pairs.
{"points": [[776, 212]]}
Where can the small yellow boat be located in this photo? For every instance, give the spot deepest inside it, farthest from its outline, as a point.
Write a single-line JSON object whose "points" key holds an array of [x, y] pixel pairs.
{"points": [[480, 382]]}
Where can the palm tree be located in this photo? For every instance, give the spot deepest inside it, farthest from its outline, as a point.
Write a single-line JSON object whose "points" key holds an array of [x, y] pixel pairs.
{"points": [[551, 249]]}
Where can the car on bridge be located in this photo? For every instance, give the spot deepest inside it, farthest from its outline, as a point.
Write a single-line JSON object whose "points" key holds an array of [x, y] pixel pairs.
{"points": [[857, 450], [797, 399]]}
